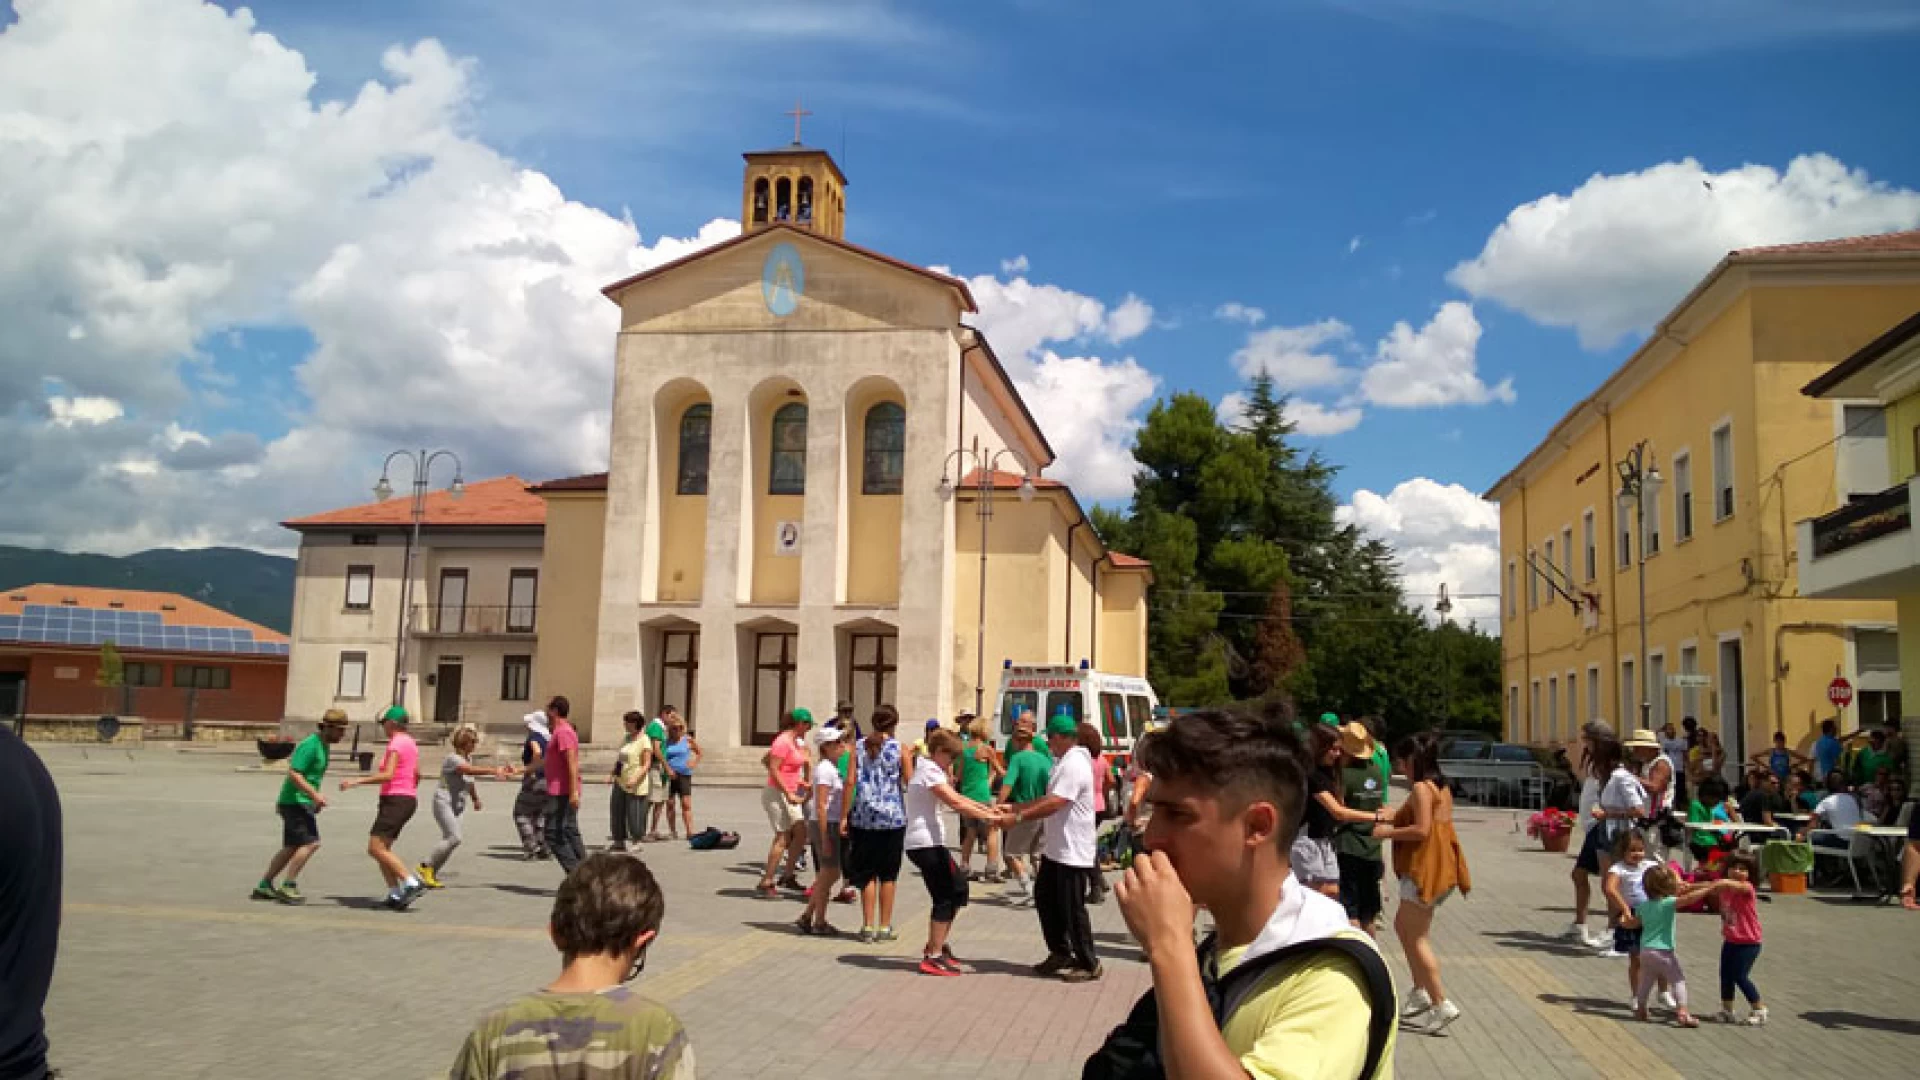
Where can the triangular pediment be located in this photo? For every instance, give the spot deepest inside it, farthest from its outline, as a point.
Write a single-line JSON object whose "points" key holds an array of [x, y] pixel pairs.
{"points": [[784, 278]]}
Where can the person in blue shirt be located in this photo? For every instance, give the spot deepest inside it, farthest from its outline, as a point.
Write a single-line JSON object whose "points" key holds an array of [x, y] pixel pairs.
{"points": [[1826, 749]]}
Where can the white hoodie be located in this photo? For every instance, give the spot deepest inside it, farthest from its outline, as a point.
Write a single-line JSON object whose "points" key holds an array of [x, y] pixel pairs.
{"points": [[1301, 915]]}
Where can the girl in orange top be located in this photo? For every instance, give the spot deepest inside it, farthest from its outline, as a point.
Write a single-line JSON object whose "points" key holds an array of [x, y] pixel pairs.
{"points": [[1428, 861]]}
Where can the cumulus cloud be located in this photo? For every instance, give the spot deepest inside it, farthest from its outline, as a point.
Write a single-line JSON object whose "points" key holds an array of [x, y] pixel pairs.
{"points": [[1016, 265], [1235, 311], [452, 294], [1443, 534], [1088, 405], [1307, 417], [1297, 357], [1615, 254], [1432, 366]]}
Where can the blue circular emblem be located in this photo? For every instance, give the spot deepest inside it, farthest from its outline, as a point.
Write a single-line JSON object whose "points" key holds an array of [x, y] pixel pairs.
{"points": [[783, 279]]}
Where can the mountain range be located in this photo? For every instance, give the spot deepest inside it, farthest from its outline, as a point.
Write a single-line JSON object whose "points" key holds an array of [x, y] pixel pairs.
{"points": [[249, 584]]}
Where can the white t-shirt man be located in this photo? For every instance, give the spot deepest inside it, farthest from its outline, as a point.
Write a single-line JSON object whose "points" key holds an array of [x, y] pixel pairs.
{"points": [[924, 827], [826, 777], [1069, 832], [1840, 811]]}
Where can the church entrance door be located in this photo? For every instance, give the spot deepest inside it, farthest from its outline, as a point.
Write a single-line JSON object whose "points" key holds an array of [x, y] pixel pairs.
{"points": [[775, 656]]}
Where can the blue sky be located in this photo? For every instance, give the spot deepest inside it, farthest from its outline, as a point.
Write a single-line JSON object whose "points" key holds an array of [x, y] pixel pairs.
{"points": [[1315, 159]]}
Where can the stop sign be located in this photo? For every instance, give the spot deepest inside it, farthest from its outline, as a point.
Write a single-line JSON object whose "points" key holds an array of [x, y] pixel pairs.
{"points": [[1840, 692]]}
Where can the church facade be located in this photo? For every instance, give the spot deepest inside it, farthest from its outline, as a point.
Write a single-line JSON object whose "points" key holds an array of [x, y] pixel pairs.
{"points": [[805, 435]]}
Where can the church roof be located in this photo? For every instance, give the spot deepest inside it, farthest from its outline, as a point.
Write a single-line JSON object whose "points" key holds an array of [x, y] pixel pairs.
{"points": [[799, 150], [584, 482], [612, 292]]}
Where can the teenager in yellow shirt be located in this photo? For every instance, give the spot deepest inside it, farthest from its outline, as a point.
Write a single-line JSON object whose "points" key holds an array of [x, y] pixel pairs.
{"points": [[1226, 794]]}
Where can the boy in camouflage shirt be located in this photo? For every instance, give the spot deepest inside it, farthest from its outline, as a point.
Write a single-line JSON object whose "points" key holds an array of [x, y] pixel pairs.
{"points": [[588, 1024]]}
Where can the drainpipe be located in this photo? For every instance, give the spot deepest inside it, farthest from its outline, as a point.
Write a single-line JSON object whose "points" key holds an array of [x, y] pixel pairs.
{"points": [[1093, 611], [1066, 647]]}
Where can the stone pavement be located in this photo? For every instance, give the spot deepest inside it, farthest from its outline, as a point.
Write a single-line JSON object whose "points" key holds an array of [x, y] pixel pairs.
{"points": [[167, 970]]}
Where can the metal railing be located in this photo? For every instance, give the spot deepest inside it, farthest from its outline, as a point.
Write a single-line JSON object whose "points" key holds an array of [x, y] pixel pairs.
{"points": [[473, 620], [1877, 515], [1498, 783]]}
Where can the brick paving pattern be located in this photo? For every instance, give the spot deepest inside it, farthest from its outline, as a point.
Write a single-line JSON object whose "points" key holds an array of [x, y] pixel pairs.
{"points": [[167, 970]]}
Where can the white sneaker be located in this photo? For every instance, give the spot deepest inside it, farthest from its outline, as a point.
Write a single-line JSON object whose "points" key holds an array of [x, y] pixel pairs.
{"points": [[1725, 1016], [1434, 1020], [1756, 1018], [1667, 1002], [1611, 953], [1576, 932], [1417, 1003]]}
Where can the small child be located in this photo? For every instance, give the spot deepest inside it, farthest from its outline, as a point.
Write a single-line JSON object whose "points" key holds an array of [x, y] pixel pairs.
{"points": [[607, 913], [1657, 960], [1740, 938]]}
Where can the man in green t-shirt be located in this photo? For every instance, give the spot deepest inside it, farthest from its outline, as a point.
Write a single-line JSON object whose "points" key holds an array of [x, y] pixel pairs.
{"points": [[1028, 769], [1354, 846], [1871, 757], [299, 806]]}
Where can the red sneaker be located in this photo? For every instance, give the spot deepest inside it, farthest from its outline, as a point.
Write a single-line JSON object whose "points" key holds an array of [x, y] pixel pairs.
{"points": [[932, 965]]}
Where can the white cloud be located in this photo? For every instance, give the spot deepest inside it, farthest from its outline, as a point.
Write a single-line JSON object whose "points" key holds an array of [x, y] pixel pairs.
{"points": [[1615, 254], [1353, 245], [1296, 357], [1443, 534], [1016, 265], [1309, 418], [1652, 27], [1088, 406], [453, 295], [1432, 366], [1235, 311], [68, 411]]}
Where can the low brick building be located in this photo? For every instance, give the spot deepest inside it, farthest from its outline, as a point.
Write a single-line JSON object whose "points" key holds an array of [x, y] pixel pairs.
{"points": [[187, 669]]}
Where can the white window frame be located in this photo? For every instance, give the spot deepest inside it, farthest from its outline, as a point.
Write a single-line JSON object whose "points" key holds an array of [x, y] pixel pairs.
{"points": [[1513, 588], [1623, 538], [1657, 687], [1573, 704], [1683, 495], [1546, 556], [353, 656], [1732, 484], [1591, 553], [1513, 712], [1566, 554], [1689, 695], [1629, 696], [1593, 691], [1649, 527], [1533, 583], [1551, 729], [363, 573], [1533, 713]]}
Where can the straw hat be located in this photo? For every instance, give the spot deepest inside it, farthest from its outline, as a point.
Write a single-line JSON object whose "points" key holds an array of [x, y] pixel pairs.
{"points": [[1642, 739], [1355, 740]]}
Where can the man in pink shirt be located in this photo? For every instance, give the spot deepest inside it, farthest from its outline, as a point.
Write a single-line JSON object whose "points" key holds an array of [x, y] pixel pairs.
{"points": [[784, 800], [399, 780], [563, 788]]}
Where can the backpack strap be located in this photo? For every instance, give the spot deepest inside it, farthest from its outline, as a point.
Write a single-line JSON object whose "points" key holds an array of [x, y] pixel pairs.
{"points": [[1235, 985]]}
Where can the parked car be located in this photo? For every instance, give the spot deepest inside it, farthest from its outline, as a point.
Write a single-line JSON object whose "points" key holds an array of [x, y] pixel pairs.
{"points": [[1495, 773]]}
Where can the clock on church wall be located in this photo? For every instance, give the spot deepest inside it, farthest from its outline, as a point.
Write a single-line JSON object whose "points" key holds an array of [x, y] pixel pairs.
{"points": [[783, 279]]}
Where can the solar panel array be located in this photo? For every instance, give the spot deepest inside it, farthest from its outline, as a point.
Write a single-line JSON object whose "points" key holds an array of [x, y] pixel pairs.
{"points": [[66, 625]]}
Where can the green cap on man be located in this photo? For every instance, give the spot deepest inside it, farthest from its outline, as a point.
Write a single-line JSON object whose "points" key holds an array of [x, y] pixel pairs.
{"points": [[1061, 723]]}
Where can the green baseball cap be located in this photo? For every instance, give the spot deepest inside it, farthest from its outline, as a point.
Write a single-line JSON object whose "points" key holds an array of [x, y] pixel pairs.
{"points": [[1062, 724], [1330, 719], [802, 716], [394, 715]]}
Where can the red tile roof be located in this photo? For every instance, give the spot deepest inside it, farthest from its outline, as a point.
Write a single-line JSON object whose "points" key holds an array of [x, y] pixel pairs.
{"points": [[175, 610], [1006, 481], [1893, 242], [966, 295], [1127, 562], [584, 482], [501, 501]]}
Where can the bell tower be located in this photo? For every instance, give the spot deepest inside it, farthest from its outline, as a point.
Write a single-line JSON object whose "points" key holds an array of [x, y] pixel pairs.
{"points": [[794, 185]]}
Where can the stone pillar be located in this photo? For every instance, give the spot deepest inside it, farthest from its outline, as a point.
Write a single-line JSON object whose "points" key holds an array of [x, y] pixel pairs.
{"points": [[722, 720], [815, 683], [616, 676]]}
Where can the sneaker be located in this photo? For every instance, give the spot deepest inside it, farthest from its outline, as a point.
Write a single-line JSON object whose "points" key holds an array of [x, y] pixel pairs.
{"points": [[1052, 965], [1021, 900], [410, 893], [1756, 1018], [1667, 1002], [791, 884], [847, 895], [947, 960], [866, 936], [1610, 953], [1082, 975], [395, 901], [822, 929], [1435, 1020], [289, 894], [885, 933], [1576, 932], [931, 965], [769, 892], [264, 891], [1417, 1003], [1725, 1016], [427, 877]]}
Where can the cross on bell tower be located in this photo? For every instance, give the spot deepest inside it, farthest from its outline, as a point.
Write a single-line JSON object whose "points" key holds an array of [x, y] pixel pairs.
{"points": [[794, 185]]}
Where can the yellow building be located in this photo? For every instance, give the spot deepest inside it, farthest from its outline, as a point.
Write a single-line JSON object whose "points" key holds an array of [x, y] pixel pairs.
{"points": [[1714, 396], [1868, 548], [803, 435]]}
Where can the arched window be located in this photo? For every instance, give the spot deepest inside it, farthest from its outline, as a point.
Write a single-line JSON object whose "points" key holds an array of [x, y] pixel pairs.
{"points": [[782, 199], [696, 435], [804, 212], [885, 450], [760, 201], [787, 474]]}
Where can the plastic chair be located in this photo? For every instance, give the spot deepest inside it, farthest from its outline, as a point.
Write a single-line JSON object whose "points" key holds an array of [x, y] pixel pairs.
{"points": [[1859, 849]]}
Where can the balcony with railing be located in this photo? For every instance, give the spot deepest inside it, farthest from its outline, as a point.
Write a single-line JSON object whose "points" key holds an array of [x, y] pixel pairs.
{"points": [[473, 620], [1865, 549]]}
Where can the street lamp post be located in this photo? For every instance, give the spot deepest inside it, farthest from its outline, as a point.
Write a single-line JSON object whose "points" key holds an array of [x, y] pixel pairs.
{"points": [[985, 463], [1443, 607], [421, 461], [1640, 483]]}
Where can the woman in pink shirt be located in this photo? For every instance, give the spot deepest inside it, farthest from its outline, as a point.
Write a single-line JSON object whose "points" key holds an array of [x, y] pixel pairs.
{"points": [[399, 780]]}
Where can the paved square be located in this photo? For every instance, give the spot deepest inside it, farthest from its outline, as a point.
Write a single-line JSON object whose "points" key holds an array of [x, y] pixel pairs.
{"points": [[166, 970]]}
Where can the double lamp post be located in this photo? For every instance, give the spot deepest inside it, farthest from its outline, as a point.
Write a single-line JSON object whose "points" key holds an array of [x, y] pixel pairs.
{"points": [[1640, 484], [421, 461], [986, 464]]}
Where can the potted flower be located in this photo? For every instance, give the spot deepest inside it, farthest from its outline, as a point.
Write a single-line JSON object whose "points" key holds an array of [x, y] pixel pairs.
{"points": [[1553, 827], [1786, 864]]}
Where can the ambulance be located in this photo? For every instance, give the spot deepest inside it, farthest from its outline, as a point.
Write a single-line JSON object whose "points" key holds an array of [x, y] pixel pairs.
{"points": [[1122, 706]]}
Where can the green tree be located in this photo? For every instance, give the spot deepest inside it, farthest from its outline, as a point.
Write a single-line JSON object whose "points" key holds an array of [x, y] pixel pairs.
{"points": [[113, 672]]}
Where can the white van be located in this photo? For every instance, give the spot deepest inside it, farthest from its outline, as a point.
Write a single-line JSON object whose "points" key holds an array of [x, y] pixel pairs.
{"points": [[1122, 705]]}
